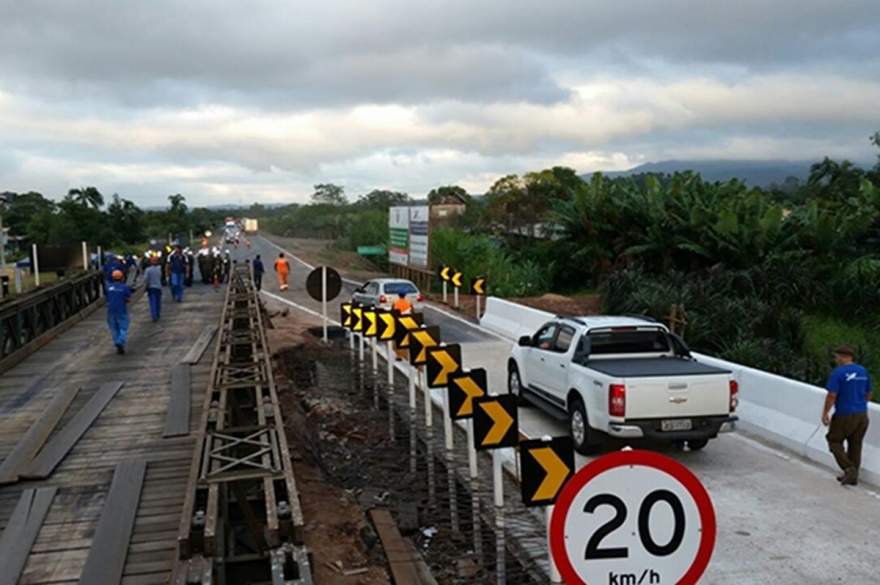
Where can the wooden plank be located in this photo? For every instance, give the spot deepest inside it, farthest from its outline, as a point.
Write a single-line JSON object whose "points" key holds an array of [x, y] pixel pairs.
{"points": [[21, 532], [52, 454], [198, 348], [177, 418], [35, 437], [401, 559], [106, 560]]}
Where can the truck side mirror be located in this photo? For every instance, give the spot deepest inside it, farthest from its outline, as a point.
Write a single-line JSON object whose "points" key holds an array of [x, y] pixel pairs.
{"points": [[525, 341]]}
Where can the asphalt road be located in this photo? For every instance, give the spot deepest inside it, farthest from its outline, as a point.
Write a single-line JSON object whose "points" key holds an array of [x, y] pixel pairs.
{"points": [[781, 519]]}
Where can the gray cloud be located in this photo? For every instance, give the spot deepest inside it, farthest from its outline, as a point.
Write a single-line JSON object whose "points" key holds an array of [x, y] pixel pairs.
{"points": [[269, 97]]}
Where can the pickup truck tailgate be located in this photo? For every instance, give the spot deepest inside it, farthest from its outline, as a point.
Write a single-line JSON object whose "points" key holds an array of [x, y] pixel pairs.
{"points": [[680, 396]]}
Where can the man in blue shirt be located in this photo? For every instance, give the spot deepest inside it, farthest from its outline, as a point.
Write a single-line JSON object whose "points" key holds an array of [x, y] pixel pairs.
{"points": [[118, 293], [177, 273], [849, 389], [258, 272]]}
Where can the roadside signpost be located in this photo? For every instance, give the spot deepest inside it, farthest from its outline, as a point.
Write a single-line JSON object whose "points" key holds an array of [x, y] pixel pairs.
{"points": [[456, 282], [478, 287], [345, 321], [545, 465], [445, 361], [633, 517], [445, 273], [323, 284], [370, 330], [496, 425], [386, 330], [463, 388]]}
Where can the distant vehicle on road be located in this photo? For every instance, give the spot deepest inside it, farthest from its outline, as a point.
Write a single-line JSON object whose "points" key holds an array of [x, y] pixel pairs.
{"points": [[382, 292], [250, 225], [622, 377]]}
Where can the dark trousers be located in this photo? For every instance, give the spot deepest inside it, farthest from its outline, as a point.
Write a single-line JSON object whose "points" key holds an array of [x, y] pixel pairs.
{"points": [[850, 428], [155, 297], [258, 280]]}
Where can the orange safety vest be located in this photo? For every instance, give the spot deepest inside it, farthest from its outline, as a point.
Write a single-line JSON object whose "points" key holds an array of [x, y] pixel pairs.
{"points": [[402, 306]]}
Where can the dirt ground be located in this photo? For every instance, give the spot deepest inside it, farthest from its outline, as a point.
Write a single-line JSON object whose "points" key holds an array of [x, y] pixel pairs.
{"points": [[334, 521]]}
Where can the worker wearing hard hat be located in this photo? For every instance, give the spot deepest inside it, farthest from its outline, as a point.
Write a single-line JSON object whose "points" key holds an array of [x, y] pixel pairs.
{"points": [[118, 294], [177, 266]]}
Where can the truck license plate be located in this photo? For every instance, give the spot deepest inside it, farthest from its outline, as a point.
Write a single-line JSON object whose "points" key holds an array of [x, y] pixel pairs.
{"points": [[677, 424]]}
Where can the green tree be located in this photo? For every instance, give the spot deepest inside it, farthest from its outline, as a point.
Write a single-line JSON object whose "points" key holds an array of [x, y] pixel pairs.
{"points": [[382, 199], [22, 208], [87, 197], [127, 220], [329, 194]]}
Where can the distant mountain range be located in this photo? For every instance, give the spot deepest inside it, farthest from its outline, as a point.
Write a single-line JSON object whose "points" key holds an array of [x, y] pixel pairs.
{"points": [[759, 173]]}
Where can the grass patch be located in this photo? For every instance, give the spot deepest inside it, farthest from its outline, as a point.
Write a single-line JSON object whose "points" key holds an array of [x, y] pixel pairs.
{"points": [[824, 333]]}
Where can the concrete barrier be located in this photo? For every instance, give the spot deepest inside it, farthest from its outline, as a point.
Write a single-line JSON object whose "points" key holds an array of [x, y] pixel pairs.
{"points": [[780, 410], [512, 320]]}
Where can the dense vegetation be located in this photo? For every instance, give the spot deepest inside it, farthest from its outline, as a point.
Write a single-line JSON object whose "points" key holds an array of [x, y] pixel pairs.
{"points": [[773, 278], [82, 215]]}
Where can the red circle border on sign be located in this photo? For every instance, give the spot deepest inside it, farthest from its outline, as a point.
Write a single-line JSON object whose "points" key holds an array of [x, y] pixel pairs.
{"points": [[635, 457]]}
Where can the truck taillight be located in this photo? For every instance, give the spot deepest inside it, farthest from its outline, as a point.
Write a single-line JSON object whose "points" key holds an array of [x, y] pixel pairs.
{"points": [[382, 298], [617, 400], [734, 395]]}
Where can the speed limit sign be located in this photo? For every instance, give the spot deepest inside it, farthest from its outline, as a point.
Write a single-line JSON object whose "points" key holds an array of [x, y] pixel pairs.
{"points": [[633, 518]]}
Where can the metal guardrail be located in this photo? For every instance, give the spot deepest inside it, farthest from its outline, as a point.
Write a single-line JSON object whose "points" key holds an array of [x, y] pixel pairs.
{"points": [[27, 317], [241, 519]]}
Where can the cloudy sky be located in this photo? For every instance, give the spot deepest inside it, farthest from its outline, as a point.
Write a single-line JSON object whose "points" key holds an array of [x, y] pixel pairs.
{"points": [[258, 100]]}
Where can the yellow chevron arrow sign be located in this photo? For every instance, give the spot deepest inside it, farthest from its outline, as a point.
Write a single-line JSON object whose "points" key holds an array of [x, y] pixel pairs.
{"points": [[444, 273], [386, 326], [442, 362], [370, 329], [495, 422], [545, 467], [456, 279], [358, 319], [463, 388], [420, 341], [479, 285]]}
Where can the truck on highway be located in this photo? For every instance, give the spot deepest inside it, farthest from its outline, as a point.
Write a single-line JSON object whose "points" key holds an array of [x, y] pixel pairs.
{"points": [[626, 377], [250, 225]]}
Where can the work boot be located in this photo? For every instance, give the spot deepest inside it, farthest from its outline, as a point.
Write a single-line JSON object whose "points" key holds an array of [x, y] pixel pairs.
{"points": [[850, 477], [119, 349]]}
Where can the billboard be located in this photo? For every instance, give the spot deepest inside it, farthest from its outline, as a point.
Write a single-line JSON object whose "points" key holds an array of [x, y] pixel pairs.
{"points": [[398, 236], [418, 236]]}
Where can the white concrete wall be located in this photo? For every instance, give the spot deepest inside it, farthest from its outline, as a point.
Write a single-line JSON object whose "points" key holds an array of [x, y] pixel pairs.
{"points": [[780, 410]]}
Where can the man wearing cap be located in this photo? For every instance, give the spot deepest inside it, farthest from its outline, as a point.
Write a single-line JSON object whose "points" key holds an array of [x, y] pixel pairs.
{"points": [[153, 282], [849, 389], [118, 294]]}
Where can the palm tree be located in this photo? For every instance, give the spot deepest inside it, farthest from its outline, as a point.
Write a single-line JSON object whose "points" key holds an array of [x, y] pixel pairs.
{"points": [[87, 197]]}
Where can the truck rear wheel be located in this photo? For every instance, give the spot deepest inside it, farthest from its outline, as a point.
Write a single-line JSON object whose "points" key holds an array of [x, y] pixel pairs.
{"points": [[697, 444], [587, 440]]}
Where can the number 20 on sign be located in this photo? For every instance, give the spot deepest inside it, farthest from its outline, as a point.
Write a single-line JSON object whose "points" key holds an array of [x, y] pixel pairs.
{"points": [[633, 518]]}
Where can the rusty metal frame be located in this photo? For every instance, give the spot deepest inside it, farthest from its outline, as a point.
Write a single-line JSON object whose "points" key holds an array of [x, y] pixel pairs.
{"points": [[242, 510], [25, 318]]}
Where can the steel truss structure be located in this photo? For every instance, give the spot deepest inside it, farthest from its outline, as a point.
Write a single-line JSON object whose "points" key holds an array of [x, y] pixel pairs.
{"points": [[29, 316], [241, 521]]}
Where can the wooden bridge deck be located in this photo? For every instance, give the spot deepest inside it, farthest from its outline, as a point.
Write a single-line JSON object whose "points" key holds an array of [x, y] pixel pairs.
{"points": [[130, 427]]}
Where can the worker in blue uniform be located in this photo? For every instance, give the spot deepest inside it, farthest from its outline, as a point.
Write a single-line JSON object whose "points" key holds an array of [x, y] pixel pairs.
{"points": [[177, 266], [118, 294]]}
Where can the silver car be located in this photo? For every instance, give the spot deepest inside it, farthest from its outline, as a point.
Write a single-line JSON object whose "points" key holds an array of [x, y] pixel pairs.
{"points": [[382, 292]]}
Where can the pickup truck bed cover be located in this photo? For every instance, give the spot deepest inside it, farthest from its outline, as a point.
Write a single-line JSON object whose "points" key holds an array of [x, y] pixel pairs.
{"points": [[650, 367]]}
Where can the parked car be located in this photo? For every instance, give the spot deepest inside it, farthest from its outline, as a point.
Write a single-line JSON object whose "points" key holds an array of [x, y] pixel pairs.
{"points": [[622, 377], [382, 292]]}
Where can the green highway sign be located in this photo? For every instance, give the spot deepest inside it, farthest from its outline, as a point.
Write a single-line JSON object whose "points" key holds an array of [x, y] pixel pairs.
{"points": [[371, 250]]}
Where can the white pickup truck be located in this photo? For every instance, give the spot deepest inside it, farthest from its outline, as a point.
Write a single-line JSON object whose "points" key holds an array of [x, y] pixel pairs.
{"points": [[622, 377]]}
